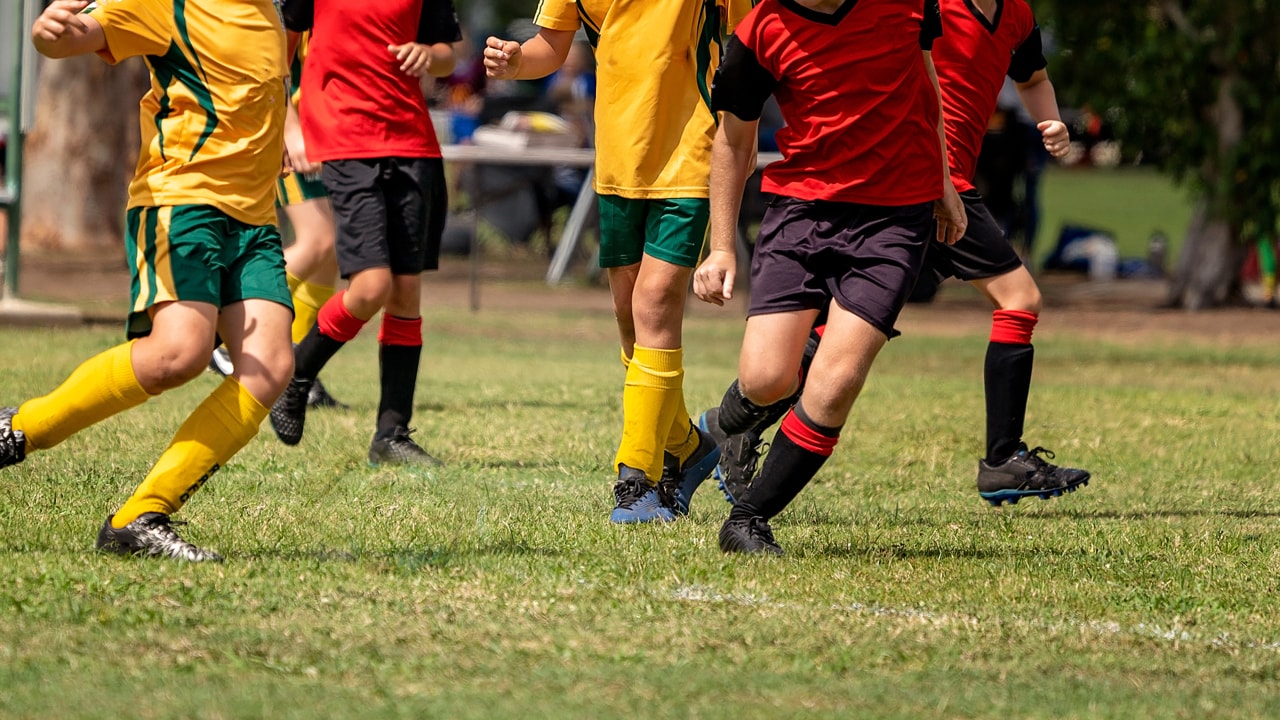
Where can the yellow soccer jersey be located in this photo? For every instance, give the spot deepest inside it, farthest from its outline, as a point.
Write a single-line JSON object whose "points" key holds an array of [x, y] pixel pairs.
{"points": [[213, 120], [655, 61]]}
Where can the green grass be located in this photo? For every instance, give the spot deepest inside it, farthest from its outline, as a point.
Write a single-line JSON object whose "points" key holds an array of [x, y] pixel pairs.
{"points": [[1131, 203], [495, 588]]}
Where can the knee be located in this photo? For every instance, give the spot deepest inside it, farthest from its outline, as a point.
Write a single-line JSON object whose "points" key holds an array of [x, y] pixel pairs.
{"points": [[762, 386], [168, 364], [366, 299], [1027, 300]]}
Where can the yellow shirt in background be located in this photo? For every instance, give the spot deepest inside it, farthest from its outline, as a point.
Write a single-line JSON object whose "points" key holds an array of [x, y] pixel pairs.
{"points": [[654, 64]]}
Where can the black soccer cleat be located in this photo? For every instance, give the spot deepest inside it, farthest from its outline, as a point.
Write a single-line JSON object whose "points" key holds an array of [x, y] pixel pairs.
{"points": [[13, 443], [151, 535], [1027, 473], [739, 456], [749, 536], [289, 413], [400, 449], [319, 397]]}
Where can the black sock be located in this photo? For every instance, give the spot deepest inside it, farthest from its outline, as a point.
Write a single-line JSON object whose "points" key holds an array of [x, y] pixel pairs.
{"points": [[399, 370], [737, 413], [313, 353], [1007, 375], [799, 449]]}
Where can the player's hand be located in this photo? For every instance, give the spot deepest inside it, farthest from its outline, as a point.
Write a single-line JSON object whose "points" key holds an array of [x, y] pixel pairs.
{"points": [[296, 148], [61, 18], [502, 58], [713, 280], [949, 212], [1056, 138], [414, 58], [286, 167]]}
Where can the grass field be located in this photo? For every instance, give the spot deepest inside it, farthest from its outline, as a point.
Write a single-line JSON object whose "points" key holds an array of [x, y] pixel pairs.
{"points": [[1130, 203], [495, 588]]}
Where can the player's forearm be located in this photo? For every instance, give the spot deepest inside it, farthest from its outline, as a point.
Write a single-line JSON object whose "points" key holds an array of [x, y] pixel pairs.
{"points": [[1039, 98], [544, 53], [443, 60], [733, 159], [942, 125]]}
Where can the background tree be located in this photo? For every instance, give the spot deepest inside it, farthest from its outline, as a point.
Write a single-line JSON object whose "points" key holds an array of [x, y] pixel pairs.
{"points": [[80, 153], [1195, 86]]}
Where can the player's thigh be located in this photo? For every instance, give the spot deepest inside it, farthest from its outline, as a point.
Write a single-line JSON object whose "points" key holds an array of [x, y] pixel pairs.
{"points": [[839, 370], [312, 222], [359, 214], [257, 334], [417, 202]]}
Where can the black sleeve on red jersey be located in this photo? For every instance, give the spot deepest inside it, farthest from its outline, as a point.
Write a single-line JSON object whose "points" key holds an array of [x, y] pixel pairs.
{"points": [[1028, 58], [931, 26], [438, 22], [741, 85], [298, 14]]}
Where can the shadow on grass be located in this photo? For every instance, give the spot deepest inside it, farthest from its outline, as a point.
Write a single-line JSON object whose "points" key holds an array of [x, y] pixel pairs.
{"points": [[902, 552], [1152, 514]]}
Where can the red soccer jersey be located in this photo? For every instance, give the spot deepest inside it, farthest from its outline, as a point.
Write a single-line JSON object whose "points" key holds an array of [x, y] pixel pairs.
{"points": [[972, 59], [861, 114], [358, 103]]}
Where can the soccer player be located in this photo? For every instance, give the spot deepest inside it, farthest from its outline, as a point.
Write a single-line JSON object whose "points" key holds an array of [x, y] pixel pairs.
{"points": [[984, 41], [654, 129], [364, 118], [309, 263], [204, 250], [860, 191]]}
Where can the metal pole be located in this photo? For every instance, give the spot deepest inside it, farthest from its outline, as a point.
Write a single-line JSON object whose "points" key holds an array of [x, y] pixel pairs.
{"points": [[13, 162]]}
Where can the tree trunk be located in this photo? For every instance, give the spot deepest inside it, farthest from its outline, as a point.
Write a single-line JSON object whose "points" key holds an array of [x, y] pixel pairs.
{"points": [[80, 154], [1208, 272]]}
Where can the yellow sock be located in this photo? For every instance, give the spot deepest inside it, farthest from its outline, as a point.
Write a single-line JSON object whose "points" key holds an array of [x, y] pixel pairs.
{"points": [[225, 422], [653, 377], [102, 386], [682, 440], [308, 298]]}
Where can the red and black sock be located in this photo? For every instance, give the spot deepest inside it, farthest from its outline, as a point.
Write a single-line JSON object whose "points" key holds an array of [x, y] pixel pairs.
{"points": [[1007, 376], [399, 352], [799, 449], [335, 326]]}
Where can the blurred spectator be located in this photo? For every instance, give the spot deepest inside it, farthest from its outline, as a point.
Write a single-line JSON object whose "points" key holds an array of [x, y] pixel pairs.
{"points": [[571, 90], [462, 93]]}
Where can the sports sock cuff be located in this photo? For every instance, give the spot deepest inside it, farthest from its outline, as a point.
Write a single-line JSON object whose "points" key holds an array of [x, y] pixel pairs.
{"points": [[809, 435], [660, 361], [336, 321], [1013, 327], [312, 294], [401, 332], [121, 378], [238, 410], [626, 359], [293, 280]]}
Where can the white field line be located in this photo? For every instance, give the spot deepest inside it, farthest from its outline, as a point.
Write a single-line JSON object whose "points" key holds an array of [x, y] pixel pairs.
{"points": [[1169, 633]]}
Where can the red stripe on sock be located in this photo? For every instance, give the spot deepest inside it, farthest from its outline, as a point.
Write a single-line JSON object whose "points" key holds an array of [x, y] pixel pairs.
{"points": [[403, 332], [336, 321], [1012, 327], [807, 437]]}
